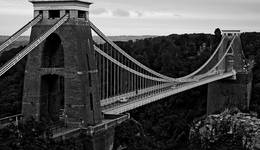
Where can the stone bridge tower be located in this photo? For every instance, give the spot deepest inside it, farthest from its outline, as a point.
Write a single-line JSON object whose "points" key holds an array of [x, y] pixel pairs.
{"points": [[61, 77], [234, 91], [61, 82]]}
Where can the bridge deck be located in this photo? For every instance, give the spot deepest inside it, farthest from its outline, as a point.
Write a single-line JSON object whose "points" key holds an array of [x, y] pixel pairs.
{"points": [[146, 98]]}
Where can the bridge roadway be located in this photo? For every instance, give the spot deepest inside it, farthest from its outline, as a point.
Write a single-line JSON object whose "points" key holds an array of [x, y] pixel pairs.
{"points": [[160, 92]]}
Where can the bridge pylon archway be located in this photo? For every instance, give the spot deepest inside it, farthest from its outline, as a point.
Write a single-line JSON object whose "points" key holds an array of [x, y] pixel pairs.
{"points": [[51, 98]]}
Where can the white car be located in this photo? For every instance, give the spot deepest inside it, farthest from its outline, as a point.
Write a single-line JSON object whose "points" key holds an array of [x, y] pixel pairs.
{"points": [[123, 100], [173, 87]]}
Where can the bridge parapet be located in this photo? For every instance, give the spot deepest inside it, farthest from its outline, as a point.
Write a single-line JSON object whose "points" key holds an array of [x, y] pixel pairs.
{"points": [[230, 33], [53, 9]]}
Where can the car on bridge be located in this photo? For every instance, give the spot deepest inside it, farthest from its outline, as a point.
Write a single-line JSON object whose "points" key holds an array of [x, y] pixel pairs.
{"points": [[175, 85], [123, 100]]}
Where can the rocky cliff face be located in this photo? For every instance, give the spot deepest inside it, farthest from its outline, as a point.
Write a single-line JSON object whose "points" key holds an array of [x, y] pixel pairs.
{"points": [[230, 128]]}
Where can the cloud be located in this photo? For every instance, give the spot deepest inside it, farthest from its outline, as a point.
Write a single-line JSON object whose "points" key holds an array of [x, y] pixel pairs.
{"points": [[121, 13], [155, 15], [135, 14], [139, 14], [99, 11]]}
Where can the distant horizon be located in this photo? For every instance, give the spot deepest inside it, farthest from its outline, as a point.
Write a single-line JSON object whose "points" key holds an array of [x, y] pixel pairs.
{"points": [[147, 34], [27, 35]]}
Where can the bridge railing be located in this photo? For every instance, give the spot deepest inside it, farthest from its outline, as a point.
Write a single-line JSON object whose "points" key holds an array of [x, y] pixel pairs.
{"points": [[109, 122], [10, 119], [118, 108], [149, 90], [58, 126]]}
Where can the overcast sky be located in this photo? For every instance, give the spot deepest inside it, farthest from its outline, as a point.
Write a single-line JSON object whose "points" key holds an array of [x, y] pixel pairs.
{"points": [[147, 17]]}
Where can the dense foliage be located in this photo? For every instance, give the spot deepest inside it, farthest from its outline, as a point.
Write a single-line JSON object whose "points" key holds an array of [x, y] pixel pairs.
{"points": [[251, 46], [161, 125], [11, 89], [33, 135], [173, 55]]}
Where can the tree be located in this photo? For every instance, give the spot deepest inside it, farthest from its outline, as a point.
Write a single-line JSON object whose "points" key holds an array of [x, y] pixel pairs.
{"points": [[217, 37]]}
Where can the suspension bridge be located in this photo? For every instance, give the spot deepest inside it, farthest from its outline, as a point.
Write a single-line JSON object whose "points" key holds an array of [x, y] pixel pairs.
{"points": [[90, 86]]}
